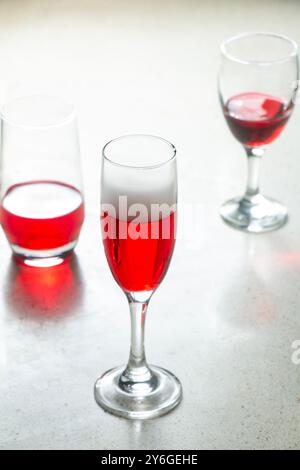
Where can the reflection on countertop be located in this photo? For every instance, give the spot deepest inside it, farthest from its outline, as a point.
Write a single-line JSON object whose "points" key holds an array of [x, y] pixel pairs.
{"points": [[46, 292]]}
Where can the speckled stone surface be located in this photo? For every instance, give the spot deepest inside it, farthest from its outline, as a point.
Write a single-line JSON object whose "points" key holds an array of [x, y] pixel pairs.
{"points": [[229, 309]]}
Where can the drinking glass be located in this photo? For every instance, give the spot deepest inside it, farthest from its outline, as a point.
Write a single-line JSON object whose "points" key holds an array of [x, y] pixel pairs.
{"points": [[138, 220], [42, 207], [257, 84]]}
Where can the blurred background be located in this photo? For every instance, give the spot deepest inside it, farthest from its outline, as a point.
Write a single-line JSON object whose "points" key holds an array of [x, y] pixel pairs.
{"points": [[227, 312]]}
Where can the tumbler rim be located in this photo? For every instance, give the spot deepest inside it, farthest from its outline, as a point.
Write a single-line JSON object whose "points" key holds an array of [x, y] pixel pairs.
{"points": [[70, 114]]}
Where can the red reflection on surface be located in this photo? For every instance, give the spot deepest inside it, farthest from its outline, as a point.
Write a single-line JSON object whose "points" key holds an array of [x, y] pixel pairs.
{"points": [[44, 292], [289, 259]]}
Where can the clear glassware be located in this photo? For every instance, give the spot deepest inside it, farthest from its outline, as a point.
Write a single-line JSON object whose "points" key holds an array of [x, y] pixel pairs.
{"points": [[138, 220], [258, 80], [42, 207]]}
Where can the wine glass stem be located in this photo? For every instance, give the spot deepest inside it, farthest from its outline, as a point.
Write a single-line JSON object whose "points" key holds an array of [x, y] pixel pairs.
{"points": [[137, 372], [137, 356], [254, 156]]}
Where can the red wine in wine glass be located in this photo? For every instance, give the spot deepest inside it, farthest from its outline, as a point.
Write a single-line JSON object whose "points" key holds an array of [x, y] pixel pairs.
{"points": [[139, 264], [42, 215], [256, 119]]}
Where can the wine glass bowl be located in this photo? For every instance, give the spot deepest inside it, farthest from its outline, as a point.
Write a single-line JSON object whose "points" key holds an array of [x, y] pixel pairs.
{"points": [[257, 85]]}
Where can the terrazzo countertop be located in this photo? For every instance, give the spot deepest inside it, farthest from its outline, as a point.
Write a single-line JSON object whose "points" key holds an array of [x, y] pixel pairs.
{"points": [[227, 314]]}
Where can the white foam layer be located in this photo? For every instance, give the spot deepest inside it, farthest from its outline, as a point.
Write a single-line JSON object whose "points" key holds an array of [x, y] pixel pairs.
{"points": [[42, 200], [142, 187]]}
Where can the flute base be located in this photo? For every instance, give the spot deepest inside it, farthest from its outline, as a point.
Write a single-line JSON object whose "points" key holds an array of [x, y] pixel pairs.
{"points": [[257, 214], [164, 395]]}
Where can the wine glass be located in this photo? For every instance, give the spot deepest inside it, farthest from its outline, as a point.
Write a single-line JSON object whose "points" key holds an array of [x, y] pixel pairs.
{"points": [[138, 220], [42, 207], [257, 85]]}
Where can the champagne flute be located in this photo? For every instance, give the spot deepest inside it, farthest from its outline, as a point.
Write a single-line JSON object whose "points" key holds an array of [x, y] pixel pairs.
{"points": [[258, 80], [138, 220]]}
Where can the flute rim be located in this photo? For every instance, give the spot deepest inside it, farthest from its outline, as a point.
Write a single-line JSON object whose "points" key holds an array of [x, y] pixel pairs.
{"points": [[139, 167], [233, 58], [71, 115]]}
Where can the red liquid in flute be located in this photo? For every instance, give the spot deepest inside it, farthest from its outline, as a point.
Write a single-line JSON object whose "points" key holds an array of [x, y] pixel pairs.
{"points": [[42, 215], [139, 264], [256, 119]]}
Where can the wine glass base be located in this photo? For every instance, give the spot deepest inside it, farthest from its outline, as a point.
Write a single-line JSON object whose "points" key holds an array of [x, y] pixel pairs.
{"points": [[257, 214], [43, 258], [165, 396]]}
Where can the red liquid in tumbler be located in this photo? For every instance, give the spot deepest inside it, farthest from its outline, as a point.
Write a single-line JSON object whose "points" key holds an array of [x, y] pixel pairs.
{"points": [[256, 119], [139, 264], [42, 215]]}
